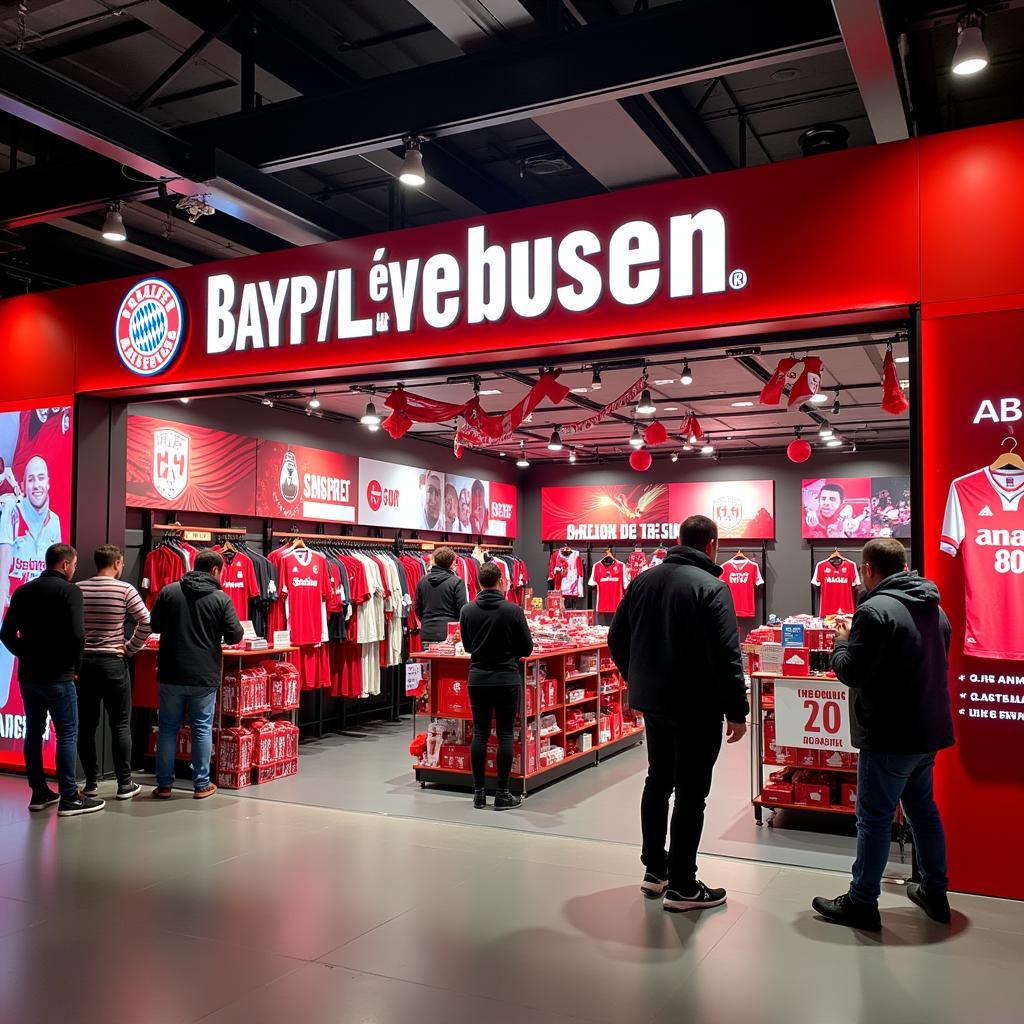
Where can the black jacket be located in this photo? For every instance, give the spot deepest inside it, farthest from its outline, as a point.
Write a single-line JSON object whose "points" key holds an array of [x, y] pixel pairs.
{"points": [[896, 665], [192, 616], [496, 636], [44, 628], [675, 639], [440, 596]]}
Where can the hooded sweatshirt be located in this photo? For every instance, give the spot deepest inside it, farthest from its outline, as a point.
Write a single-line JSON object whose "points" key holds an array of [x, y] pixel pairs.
{"points": [[193, 617], [440, 596], [896, 665], [675, 639], [496, 635]]}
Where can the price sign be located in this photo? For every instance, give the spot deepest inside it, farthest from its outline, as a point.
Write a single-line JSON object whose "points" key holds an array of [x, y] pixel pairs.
{"points": [[413, 678], [812, 713]]}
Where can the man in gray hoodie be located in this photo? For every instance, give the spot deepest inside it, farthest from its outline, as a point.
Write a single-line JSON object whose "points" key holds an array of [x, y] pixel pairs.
{"points": [[894, 659]]}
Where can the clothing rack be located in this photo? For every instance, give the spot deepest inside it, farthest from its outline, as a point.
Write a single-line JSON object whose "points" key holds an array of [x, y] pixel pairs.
{"points": [[215, 530]]}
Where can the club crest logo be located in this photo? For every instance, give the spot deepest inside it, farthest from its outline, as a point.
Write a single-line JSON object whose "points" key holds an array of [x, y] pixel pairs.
{"points": [[170, 463], [374, 495], [150, 327], [289, 482], [728, 512]]}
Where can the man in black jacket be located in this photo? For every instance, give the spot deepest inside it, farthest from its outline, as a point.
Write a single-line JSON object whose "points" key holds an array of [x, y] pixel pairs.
{"points": [[894, 659], [44, 628], [675, 639], [496, 635], [193, 617], [440, 596]]}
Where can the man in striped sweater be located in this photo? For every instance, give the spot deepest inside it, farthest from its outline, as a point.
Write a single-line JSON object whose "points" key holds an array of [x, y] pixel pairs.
{"points": [[109, 602]]}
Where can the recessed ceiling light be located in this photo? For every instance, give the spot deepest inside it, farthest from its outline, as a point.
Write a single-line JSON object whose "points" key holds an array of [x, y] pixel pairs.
{"points": [[491, 391], [785, 74], [742, 405], [664, 381], [902, 359], [671, 408], [579, 391], [819, 398]]}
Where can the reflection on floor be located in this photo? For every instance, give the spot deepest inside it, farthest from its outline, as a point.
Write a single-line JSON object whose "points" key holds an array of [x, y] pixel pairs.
{"points": [[372, 771], [238, 911]]}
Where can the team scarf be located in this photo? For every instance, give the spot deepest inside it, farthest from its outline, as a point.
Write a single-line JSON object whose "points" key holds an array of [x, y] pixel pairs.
{"points": [[894, 401], [802, 384]]}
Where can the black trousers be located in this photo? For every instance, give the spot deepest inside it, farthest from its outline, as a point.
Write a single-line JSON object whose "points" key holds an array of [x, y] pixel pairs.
{"points": [[500, 703], [680, 758], [104, 680]]}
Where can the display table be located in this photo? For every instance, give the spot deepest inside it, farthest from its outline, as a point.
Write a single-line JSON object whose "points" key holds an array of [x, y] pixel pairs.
{"points": [[574, 706]]}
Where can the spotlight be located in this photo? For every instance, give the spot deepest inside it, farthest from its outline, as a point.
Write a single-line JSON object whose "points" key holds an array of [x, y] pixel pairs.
{"points": [[971, 54], [371, 427], [686, 377], [268, 402], [412, 172], [687, 447], [902, 359], [555, 444], [636, 440], [675, 456], [595, 381], [825, 431], [646, 407], [184, 401], [522, 462], [370, 418], [835, 405], [314, 402], [709, 448], [818, 398], [833, 442], [113, 224], [572, 455]]}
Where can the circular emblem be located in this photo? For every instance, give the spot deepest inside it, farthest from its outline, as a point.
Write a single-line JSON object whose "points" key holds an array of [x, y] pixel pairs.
{"points": [[150, 327], [374, 495], [289, 480]]}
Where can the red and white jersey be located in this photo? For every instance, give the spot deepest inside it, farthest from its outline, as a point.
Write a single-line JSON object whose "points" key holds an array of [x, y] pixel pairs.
{"points": [[837, 583], [742, 577], [306, 583], [658, 557], [566, 573], [611, 582], [164, 565], [29, 534], [985, 522], [239, 582], [637, 563]]}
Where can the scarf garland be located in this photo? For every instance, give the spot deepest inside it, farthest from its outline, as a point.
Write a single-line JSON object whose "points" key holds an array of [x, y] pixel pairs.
{"points": [[802, 385]]}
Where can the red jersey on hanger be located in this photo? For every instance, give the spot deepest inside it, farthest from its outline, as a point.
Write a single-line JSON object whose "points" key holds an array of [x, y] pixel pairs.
{"points": [[742, 577], [637, 563], [837, 583], [306, 583], [238, 581], [611, 581]]}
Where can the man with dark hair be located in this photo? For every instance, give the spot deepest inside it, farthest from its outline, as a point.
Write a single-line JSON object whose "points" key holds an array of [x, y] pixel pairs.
{"points": [[45, 631], [440, 596], [675, 639], [496, 636], [193, 617], [109, 602], [894, 659], [478, 508]]}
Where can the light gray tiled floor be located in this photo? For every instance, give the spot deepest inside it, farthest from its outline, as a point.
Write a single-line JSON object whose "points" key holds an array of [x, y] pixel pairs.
{"points": [[237, 911]]}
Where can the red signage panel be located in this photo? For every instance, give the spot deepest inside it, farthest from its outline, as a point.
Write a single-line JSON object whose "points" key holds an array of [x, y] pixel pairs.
{"points": [[294, 482], [192, 469], [743, 509]]}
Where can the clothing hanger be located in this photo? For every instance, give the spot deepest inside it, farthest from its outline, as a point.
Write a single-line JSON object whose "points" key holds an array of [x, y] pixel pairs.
{"points": [[1010, 459]]}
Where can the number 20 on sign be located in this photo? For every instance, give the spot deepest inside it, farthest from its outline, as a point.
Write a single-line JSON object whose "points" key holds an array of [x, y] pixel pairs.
{"points": [[815, 715]]}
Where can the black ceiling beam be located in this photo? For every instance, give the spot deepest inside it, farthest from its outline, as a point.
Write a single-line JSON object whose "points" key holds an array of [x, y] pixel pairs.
{"points": [[123, 28], [669, 46], [42, 97]]}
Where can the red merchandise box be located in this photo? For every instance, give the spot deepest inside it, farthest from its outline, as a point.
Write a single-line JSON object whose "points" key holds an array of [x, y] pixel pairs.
{"points": [[807, 757], [234, 779], [263, 752], [455, 756], [453, 698], [796, 661], [777, 793], [837, 759], [849, 794], [812, 794]]}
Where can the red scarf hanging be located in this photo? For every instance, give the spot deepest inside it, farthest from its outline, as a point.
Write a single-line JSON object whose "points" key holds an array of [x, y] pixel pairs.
{"points": [[771, 393], [807, 383], [894, 401]]}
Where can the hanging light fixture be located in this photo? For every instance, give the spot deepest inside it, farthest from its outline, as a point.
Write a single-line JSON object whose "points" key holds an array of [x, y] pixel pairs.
{"points": [[834, 442], [835, 404], [686, 377], [636, 439], [818, 398], [572, 454], [825, 431], [412, 172], [675, 456], [971, 55], [555, 443], [113, 224], [709, 448], [595, 381], [314, 402], [370, 418], [646, 407], [522, 462]]}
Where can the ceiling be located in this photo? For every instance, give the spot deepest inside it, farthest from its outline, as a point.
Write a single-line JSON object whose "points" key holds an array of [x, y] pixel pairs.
{"points": [[289, 115], [723, 395]]}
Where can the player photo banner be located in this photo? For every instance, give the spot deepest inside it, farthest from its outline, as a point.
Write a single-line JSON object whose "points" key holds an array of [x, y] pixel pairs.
{"points": [[849, 508], [192, 469], [295, 482], [36, 451], [743, 509]]}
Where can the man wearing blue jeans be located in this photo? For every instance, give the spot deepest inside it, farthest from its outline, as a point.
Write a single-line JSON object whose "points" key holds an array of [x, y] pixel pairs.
{"points": [[193, 617], [894, 658]]}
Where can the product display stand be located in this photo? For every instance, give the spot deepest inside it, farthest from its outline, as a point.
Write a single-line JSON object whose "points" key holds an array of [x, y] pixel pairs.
{"points": [[566, 693]]}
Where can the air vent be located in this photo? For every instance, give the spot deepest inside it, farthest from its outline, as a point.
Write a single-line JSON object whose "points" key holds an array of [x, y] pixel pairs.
{"points": [[554, 163]]}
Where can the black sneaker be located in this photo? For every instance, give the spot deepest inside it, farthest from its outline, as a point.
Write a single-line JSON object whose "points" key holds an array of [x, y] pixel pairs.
{"points": [[653, 887], [81, 804], [479, 798], [676, 902], [844, 910], [90, 789], [126, 790], [505, 800], [936, 906], [40, 801]]}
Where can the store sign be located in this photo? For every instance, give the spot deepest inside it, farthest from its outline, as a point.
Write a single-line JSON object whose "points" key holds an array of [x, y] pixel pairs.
{"points": [[743, 509], [35, 512], [840, 508], [485, 282], [150, 326], [812, 714], [191, 469], [295, 482]]}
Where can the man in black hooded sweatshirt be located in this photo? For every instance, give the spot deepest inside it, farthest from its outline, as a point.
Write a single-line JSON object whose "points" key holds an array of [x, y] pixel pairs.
{"points": [[675, 639], [894, 659], [440, 596]]}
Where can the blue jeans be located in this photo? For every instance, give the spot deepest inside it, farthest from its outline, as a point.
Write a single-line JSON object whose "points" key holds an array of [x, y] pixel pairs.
{"points": [[883, 780], [200, 703], [61, 701]]}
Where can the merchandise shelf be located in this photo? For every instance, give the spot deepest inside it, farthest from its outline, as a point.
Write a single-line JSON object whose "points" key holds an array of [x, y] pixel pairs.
{"points": [[585, 700], [580, 675], [581, 728], [817, 768], [830, 809]]}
